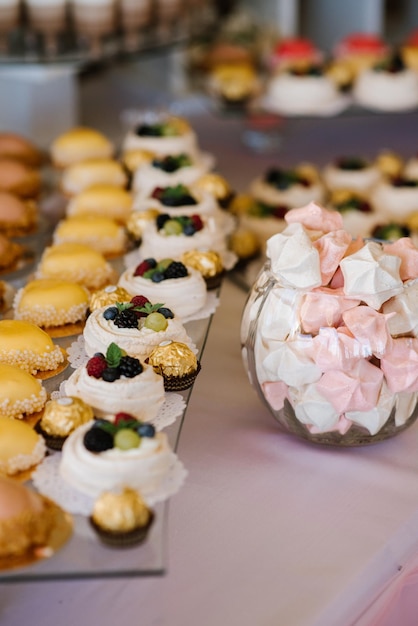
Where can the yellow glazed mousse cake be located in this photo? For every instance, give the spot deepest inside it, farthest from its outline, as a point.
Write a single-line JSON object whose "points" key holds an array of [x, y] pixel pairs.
{"points": [[57, 306], [103, 199], [17, 217], [21, 448], [28, 347], [21, 394], [78, 263], [100, 232], [78, 144], [82, 175], [31, 526]]}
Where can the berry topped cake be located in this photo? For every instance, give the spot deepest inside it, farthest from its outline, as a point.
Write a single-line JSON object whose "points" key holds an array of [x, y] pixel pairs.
{"points": [[178, 199], [180, 287], [102, 455], [168, 171], [352, 173], [387, 86], [115, 381], [162, 135], [136, 327], [395, 198], [304, 90], [170, 236]]}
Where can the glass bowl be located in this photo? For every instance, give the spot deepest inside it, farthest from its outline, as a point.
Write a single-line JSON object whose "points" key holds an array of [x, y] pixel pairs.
{"points": [[332, 368]]}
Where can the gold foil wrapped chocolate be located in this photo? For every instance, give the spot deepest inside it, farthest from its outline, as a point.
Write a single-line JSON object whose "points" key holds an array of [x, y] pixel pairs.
{"points": [[63, 415], [108, 296], [245, 243], [177, 126], [173, 358], [138, 221], [133, 159], [389, 163], [341, 196], [208, 263], [215, 185], [120, 512]]}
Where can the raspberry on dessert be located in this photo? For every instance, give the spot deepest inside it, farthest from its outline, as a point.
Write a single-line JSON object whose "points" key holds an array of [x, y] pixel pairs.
{"points": [[121, 418], [139, 301], [197, 221], [96, 366], [142, 268]]}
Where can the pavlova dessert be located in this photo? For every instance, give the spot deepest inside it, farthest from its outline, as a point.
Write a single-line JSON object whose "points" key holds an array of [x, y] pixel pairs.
{"points": [[137, 327]]}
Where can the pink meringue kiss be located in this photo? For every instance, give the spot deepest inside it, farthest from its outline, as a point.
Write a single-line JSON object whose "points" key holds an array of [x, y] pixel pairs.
{"points": [[324, 307], [275, 393], [335, 349], [355, 389], [400, 365], [332, 248], [315, 217], [372, 274], [370, 328], [408, 253]]}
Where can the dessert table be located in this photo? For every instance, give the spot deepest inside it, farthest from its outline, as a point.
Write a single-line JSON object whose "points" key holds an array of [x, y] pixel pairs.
{"points": [[267, 530]]}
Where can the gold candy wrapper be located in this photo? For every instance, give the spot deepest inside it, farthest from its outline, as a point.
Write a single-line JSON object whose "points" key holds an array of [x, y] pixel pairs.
{"points": [[207, 263], [172, 358], [108, 296], [120, 512], [133, 159], [390, 164], [215, 185], [138, 220], [63, 415]]}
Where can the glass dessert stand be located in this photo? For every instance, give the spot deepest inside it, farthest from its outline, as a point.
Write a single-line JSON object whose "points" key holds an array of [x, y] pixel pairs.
{"points": [[84, 556]]}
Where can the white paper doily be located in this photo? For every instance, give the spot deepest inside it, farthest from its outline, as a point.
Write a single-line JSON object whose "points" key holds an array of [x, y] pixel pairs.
{"points": [[49, 483], [173, 407]]}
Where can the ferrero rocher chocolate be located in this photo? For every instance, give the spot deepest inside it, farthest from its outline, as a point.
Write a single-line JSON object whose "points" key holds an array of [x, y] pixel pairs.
{"points": [[108, 296], [341, 196], [120, 512], [244, 243], [133, 159], [172, 358], [178, 126], [309, 171], [63, 415], [207, 263], [389, 163], [138, 220], [215, 185]]}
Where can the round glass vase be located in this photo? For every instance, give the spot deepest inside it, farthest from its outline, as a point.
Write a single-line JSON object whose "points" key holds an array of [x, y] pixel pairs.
{"points": [[326, 365]]}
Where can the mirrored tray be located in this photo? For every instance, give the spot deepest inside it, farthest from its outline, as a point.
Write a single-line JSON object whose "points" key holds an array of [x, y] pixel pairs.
{"points": [[84, 556]]}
